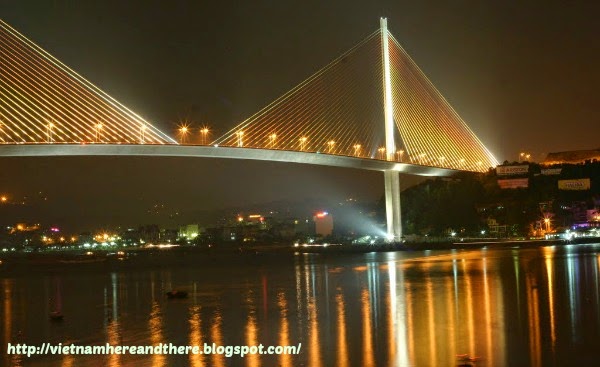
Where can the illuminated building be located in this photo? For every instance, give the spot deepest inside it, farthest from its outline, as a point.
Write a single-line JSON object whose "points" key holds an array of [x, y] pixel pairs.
{"points": [[323, 224], [189, 231]]}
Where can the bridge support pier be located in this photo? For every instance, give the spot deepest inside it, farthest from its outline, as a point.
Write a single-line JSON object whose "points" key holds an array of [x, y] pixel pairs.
{"points": [[392, 205]]}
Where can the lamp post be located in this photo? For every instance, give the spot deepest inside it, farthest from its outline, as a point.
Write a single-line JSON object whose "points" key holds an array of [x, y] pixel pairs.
{"points": [[240, 138], [204, 131], [357, 150], [183, 134], [272, 138], [98, 128], [142, 133], [303, 143], [49, 133], [381, 153], [400, 154], [330, 145]]}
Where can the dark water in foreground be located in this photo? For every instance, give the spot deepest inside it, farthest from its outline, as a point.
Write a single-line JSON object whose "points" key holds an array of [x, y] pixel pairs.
{"points": [[510, 307]]}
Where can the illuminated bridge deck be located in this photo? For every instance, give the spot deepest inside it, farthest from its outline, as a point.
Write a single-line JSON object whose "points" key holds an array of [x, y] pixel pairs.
{"points": [[159, 150]]}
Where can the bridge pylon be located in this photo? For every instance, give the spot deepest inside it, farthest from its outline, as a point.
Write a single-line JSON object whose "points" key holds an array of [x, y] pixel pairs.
{"points": [[392, 178]]}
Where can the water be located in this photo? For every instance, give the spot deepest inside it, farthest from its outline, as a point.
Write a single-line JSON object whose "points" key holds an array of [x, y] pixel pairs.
{"points": [[509, 307]]}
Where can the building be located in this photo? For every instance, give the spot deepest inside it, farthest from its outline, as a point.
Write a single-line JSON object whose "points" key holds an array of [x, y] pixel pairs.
{"points": [[323, 224], [189, 231], [572, 157]]}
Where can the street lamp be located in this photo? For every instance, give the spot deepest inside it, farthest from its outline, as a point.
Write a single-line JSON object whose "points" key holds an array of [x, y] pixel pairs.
{"points": [[183, 133], [142, 133], [49, 133], [330, 145], [272, 138], [240, 138], [357, 150], [547, 222], [400, 153], [98, 128], [381, 153], [204, 131], [303, 142], [422, 158]]}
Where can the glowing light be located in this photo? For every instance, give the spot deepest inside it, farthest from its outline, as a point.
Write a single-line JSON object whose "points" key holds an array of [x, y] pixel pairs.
{"points": [[240, 136], [330, 145], [204, 131], [322, 214], [183, 131], [303, 142], [399, 154], [3, 199]]}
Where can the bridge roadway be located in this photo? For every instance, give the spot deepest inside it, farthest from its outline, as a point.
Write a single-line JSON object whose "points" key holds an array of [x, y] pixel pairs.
{"points": [[203, 151]]}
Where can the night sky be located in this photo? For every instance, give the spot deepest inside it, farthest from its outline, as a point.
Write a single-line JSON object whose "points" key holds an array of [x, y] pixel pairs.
{"points": [[523, 77]]}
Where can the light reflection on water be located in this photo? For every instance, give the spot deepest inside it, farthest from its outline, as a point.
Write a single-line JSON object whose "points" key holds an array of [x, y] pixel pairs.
{"points": [[535, 307]]}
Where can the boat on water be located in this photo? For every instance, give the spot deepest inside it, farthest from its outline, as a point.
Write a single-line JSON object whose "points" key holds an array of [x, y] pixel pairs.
{"points": [[176, 294], [56, 316], [87, 258]]}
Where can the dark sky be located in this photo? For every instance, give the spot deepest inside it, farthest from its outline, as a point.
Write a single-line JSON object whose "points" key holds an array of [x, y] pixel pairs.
{"points": [[523, 77]]}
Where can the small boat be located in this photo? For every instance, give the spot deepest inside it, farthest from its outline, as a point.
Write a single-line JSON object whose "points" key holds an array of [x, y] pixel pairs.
{"points": [[56, 316], [177, 294]]}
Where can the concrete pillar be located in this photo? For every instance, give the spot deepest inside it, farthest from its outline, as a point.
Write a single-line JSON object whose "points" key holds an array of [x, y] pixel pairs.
{"points": [[392, 205]]}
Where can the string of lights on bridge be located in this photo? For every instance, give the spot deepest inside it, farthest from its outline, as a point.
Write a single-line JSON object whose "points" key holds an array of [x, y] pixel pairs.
{"points": [[338, 110]]}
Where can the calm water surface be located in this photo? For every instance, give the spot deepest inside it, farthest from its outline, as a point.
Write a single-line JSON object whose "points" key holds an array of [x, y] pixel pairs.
{"points": [[509, 307]]}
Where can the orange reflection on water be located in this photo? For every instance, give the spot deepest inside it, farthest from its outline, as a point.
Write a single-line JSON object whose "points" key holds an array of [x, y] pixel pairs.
{"points": [[367, 329], [113, 333], [216, 335], [252, 360], [488, 314], [450, 303], [469, 301], [534, 321], [195, 320], [431, 322], [156, 337], [7, 324], [342, 350], [67, 360], [410, 328], [284, 332], [548, 260], [315, 346]]}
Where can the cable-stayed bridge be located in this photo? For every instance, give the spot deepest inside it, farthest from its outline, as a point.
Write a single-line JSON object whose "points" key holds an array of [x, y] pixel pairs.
{"points": [[370, 108]]}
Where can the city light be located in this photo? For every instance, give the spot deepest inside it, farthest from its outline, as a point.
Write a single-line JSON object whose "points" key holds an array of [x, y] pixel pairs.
{"points": [[98, 128], [400, 154], [330, 145], [204, 132], [357, 150], [183, 131], [303, 142], [240, 136]]}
